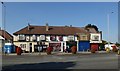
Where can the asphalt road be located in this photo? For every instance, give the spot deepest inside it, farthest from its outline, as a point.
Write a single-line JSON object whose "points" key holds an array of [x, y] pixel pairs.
{"points": [[78, 61]]}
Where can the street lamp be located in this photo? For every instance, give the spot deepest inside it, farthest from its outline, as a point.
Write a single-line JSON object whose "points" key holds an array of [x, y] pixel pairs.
{"points": [[108, 28], [4, 20], [108, 21], [4, 16]]}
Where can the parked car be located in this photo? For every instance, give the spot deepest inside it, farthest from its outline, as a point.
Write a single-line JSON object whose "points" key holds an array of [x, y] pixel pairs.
{"points": [[111, 46]]}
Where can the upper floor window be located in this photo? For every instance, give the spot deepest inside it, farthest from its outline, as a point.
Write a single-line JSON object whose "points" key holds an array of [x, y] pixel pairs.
{"points": [[83, 37], [70, 38], [95, 38], [21, 37], [60, 38], [34, 37], [42, 37], [53, 38]]}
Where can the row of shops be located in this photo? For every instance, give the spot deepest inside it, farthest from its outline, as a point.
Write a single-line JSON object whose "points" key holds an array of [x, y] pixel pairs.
{"points": [[61, 46], [57, 46]]}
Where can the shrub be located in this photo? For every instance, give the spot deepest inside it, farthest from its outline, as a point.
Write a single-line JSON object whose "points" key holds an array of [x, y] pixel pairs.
{"points": [[92, 50], [49, 50], [107, 50], [114, 49], [74, 49]]}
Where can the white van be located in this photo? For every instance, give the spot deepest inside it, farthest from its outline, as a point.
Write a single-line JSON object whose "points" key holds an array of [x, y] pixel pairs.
{"points": [[110, 46]]}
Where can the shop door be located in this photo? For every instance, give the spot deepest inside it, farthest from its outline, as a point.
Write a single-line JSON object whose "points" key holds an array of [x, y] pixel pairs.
{"points": [[94, 47], [30, 47], [84, 45]]}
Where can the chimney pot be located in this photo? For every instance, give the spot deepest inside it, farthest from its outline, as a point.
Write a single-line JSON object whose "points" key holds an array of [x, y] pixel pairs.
{"points": [[47, 27]]}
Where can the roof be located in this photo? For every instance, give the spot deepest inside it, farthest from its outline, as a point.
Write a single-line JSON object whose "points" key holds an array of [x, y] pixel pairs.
{"points": [[1, 37], [53, 30], [6, 36]]}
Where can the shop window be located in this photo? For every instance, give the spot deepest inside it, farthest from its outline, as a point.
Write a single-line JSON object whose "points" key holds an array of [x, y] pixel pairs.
{"points": [[23, 46]]}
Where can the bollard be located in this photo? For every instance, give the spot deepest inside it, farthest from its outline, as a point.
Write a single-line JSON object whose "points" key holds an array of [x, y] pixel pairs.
{"points": [[118, 52], [74, 49]]}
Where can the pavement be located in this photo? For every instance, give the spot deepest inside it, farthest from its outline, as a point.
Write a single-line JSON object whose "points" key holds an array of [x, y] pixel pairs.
{"points": [[56, 53]]}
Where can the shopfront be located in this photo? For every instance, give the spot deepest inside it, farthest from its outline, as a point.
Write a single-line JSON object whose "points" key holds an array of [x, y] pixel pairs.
{"points": [[58, 46]]}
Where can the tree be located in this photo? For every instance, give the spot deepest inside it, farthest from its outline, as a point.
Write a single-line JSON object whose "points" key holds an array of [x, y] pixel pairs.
{"points": [[91, 26], [104, 42], [117, 44]]}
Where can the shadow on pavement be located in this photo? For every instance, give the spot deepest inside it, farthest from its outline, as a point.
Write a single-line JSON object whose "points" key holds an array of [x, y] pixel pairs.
{"points": [[39, 66]]}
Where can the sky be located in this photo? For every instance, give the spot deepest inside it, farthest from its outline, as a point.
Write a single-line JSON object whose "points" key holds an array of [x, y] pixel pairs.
{"points": [[77, 14]]}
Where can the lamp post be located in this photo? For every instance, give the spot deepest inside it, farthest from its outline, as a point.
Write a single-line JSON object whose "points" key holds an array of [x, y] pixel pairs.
{"points": [[4, 21], [108, 28], [108, 21], [4, 16]]}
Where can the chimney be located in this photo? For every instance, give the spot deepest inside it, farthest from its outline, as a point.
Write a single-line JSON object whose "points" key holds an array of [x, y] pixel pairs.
{"points": [[47, 27], [28, 26]]}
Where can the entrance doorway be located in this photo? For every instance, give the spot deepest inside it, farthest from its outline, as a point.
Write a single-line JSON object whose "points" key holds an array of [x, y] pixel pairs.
{"points": [[30, 47]]}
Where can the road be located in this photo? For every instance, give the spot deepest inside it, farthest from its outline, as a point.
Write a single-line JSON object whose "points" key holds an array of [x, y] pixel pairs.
{"points": [[77, 61]]}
